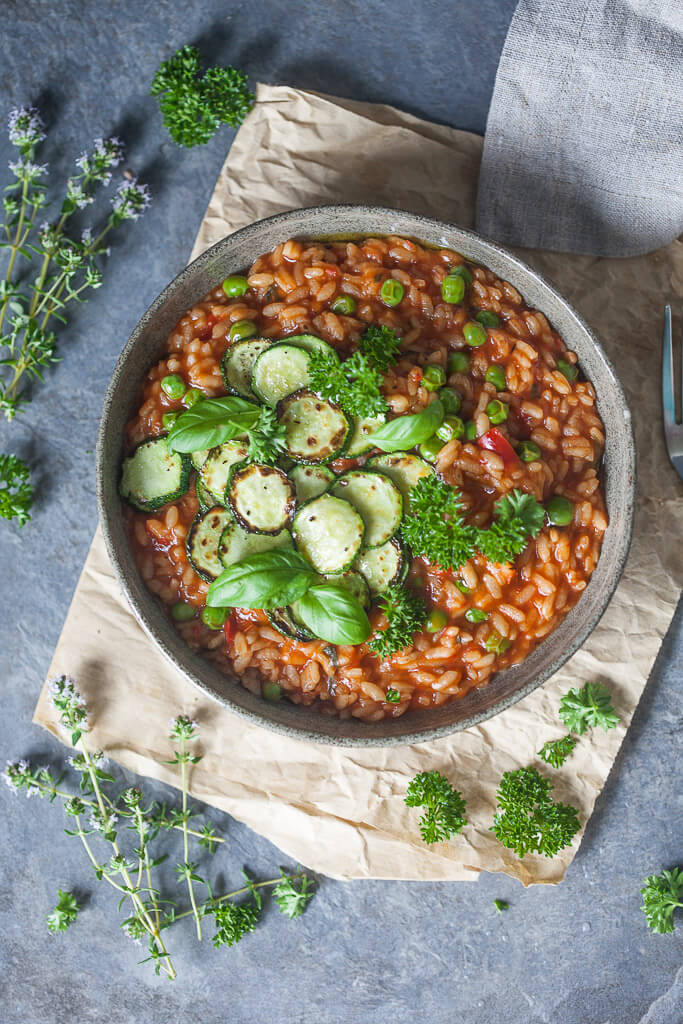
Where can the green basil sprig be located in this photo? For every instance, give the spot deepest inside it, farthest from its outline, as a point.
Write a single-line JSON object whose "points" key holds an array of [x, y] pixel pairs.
{"points": [[333, 614], [270, 579], [405, 432], [211, 422]]}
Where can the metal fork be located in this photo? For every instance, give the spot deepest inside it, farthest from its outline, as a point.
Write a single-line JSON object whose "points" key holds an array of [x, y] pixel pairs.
{"points": [[673, 431]]}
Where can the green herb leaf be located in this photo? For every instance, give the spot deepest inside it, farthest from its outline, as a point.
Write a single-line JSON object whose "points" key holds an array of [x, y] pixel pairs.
{"points": [[16, 492], [266, 439], [333, 614], [406, 614], [64, 914], [518, 517], [404, 432], [445, 807], [269, 579], [211, 422], [528, 820], [292, 898], [354, 384], [662, 894], [434, 527], [523, 507], [590, 706], [233, 922], [556, 752], [381, 346], [500, 906]]}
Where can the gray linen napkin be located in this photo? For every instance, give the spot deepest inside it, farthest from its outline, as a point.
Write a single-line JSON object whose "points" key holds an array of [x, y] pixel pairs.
{"points": [[584, 139]]}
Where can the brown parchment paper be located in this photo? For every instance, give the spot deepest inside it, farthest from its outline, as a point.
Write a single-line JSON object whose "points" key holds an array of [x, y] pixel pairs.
{"points": [[337, 811]]}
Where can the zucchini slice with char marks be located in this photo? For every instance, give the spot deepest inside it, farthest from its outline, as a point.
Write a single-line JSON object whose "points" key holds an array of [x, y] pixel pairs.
{"points": [[216, 472], [383, 567], [283, 620], [354, 583], [262, 498], [199, 458], [203, 541], [280, 371], [315, 429], [237, 365], [361, 435], [236, 543], [404, 470], [152, 476], [329, 533], [376, 499], [311, 481], [205, 500]]}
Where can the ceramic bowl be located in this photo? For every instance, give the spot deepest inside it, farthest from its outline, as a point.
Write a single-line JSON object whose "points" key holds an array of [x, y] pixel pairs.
{"points": [[233, 254]]}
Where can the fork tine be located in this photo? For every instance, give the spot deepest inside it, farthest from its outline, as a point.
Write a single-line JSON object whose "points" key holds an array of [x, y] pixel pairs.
{"points": [[668, 395]]}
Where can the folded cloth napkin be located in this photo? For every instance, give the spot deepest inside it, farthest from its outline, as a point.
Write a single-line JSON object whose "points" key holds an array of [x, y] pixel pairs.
{"points": [[583, 140]]}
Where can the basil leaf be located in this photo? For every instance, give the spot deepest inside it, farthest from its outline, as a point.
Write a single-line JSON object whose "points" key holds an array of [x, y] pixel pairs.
{"points": [[406, 431], [266, 580], [211, 422], [333, 614]]}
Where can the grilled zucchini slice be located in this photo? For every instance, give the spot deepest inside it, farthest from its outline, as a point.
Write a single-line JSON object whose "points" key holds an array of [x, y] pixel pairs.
{"points": [[355, 584], [311, 343], [280, 371], [237, 365], [377, 500], [205, 500], [404, 470], [237, 543], [203, 541], [310, 481], [262, 498], [152, 476], [383, 567], [329, 533], [361, 435], [216, 471], [315, 429], [199, 458], [283, 620]]}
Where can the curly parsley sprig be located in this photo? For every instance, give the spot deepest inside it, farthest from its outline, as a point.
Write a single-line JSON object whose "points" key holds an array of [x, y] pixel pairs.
{"points": [[556, 752], [380, 345], [517, 517], [662, 894], [267, 438], [354, 384], [194, 105], [444, 806], [434, 526], [16, 492], [406, 614], [65, 912], [528, 820]]}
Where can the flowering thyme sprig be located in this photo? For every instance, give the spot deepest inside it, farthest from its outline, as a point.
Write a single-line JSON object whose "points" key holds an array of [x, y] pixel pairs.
{"points": [[68, 265], [97, 818]]}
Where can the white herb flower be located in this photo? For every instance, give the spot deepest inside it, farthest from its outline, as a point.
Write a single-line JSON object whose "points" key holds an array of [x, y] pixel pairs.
{"points": [[131, 200], [100, 822], [132, 929], [75, 193], [112, 150], [25, 127], [12, 773], [86, 236]]}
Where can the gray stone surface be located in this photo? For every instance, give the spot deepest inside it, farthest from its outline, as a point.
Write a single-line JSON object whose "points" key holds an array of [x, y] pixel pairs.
{"points": [[373, 951]]}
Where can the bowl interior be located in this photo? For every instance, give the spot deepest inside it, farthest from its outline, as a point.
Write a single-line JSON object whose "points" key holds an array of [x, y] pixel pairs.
{"points": [[144, 347]]}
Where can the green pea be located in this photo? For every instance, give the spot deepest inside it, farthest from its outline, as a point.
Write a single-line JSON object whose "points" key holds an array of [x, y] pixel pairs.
{"points": [[191, 397], [235, 286], [497, 644], [173, 386], [488, 318], [451, 428], [344, 304], [528, 451], [272, 691], [475, 334], [433, 377], [470, 431], [453, 289], [242, 329], [393, 696], [169, 418], [462, 587], [430, 448], [392, 292], [463, 271], [436, 620], [214, 618], [476, 615], [560, 511], [182, 612], [497, 411], [496, 375], [451, 400], [458, 362], [570, 371]]}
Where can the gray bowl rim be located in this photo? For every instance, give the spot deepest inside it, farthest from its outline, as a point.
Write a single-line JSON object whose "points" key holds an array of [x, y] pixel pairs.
{"points": [[302, 730]]}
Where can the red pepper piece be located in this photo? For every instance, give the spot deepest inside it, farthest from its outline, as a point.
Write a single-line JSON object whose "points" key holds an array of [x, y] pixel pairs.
{"points": [[494, 441]]}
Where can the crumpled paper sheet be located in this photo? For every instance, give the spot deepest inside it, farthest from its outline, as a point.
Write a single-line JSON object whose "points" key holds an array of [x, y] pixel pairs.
{"points": [[341, 812]]}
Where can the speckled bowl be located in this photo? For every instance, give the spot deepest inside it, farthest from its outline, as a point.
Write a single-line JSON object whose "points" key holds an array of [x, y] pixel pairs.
{"points": [[144, 347]]}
